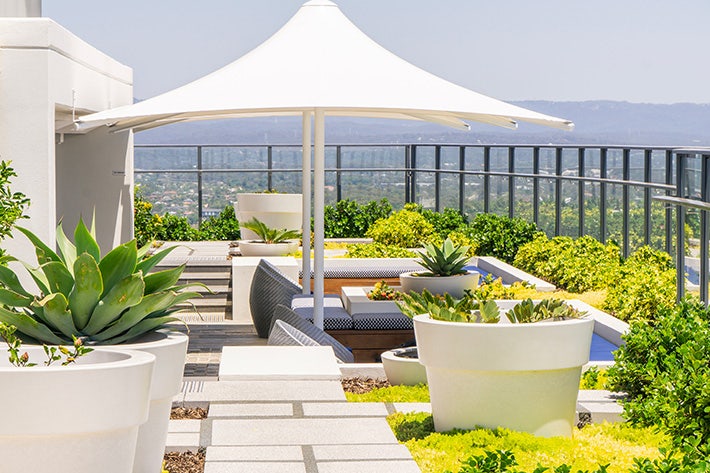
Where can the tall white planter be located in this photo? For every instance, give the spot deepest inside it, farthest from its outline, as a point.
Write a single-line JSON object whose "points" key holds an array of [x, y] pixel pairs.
{"points": [[81, 418], [169, 348], [454, 285], [256, 248], [520, 376], [282, 211]]}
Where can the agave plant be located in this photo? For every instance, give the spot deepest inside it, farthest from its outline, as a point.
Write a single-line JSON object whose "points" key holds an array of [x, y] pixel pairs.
{"points": [[445, 260], [449, 309], [547, 309], [100, 300], [270, 235]]}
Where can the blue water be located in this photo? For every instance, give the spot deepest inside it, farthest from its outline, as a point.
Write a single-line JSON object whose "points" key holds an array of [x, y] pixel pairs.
{"points": [[476, 269], [601, 349]]}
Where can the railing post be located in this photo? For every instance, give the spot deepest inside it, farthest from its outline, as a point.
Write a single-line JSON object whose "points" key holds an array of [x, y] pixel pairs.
{"points": [[511, 181], [437, 178], [199, 185], [269, 167], [558, 191], [486, 178], [602, 194], [536, 186], [680, 227], [338, 167], [704, 254], [669, 209], [580, 191], [647, 177], [407, 173], [413, 173], [462, 178], [625, 204]]}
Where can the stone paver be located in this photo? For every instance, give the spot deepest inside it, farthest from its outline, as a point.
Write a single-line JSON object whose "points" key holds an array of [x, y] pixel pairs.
{"points": [[344, 409], [261, 391], [361, 452], [394, 466], [254, 467], [255, 453], [301, 431], [407, 407], [251, 410], [603, 411], [278, 362]]}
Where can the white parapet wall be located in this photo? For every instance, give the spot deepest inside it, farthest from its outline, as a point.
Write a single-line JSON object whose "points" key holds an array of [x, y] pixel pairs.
{"points": [[47, 76]]}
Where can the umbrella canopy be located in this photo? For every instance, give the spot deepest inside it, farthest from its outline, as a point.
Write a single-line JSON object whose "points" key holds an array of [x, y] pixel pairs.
{"points": [[319, 63]]}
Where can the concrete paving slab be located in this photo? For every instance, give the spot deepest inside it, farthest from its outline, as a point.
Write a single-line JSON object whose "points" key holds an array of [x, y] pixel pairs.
{"points": [[250, 410], [278, 362], [361, 452], [233, 391], [344, 409], [254, 467], [362, 370], [329, 431], [603, 411], [394, 466], [407, 407], [184, 425], [590, 395], [256, 453], [182, 441]]}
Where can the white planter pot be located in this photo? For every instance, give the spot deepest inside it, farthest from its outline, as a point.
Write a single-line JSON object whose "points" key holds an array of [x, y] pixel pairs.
{"points": [[282, 211], [82, 418], [169, 348], [402, 369], [256, 248], [454, 285], [519, 376]]}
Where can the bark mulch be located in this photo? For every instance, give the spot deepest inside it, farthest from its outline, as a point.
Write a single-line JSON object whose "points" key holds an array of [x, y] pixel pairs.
{"points": [[185, 462], [363, 385]]}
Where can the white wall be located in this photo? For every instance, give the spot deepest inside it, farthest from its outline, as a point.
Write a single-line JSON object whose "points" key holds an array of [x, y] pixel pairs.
{"points": [[18, 8], [45, 73]]}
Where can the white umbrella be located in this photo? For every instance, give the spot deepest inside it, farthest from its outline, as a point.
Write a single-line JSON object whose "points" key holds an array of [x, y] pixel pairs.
{"points": [[319, 64]]}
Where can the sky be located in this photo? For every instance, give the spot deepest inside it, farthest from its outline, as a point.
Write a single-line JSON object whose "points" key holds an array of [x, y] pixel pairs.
{"points": [[646, 51]]}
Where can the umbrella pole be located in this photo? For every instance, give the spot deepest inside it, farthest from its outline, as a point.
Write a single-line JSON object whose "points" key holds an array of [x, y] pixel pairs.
{"points": [[306, 192], [318, 215]]}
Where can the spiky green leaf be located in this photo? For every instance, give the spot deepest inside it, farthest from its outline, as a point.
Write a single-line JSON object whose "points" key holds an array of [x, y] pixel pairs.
{"points": [[162, 280], [56, 313], [149, 305], [66, 247], [146, 325], [11, 298], [149, 263], [44, 253], [9, 279], [85, 241], [127, 293], [87, 290], [59, 278], [29, 326], [118, 264]]}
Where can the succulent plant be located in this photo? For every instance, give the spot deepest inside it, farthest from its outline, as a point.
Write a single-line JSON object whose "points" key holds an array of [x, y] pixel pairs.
{"points": [[101, 300], [449, 309], [547, 309], [270, 235], [445, 260]]}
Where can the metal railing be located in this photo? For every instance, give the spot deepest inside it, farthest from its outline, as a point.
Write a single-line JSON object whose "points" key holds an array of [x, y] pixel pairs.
{"points": [[630, 194]]}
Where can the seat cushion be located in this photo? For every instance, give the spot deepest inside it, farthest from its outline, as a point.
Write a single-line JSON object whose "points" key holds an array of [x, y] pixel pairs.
{"points": [[382, 321], [334, 318], [306, 300]]}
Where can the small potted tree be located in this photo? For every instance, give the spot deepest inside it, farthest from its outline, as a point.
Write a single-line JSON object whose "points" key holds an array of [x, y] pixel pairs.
{"points": [[445, 271], [521, 372], [109, 300], [270, 242]]}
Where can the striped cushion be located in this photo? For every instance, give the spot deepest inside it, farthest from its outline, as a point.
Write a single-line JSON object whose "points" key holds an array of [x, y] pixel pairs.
{"points": [[382, 321], [334, 318], [306, 300]]}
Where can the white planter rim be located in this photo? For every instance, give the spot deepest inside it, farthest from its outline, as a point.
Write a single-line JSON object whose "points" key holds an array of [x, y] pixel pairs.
{"points": [[504, 324], [103, 359]]}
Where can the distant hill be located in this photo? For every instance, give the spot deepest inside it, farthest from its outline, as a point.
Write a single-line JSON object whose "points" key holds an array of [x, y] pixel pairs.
{"points": [[596, 122]]}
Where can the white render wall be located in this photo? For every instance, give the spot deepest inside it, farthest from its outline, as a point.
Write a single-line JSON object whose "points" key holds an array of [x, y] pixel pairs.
{"points": [[45, 72]]}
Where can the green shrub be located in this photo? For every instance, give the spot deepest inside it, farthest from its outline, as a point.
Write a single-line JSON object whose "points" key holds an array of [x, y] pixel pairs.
{"points": [[500, 236], [646, 282], [664, 369], [348, 219], [578, 265], [418, 393], [223, 227], [378, 250], [444, 222], [12, 204], [145, 222], [405, 228], [175, 228]]}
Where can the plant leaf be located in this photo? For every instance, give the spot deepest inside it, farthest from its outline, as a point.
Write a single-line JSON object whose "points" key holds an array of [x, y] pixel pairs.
{"points": [[59, 278], [127, 293], [9, 279], [11, 298], [29, 326], [44, 253], [56, 313], [146, 325], [118, 264], [162, 280], [66, 247], [150, 304], [87, 290], [149, 263], [85, 241]]}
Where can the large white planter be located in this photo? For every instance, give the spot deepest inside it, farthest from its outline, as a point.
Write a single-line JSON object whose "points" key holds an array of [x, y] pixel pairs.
{"points": [[402, 369], [259, 248], [282, 211], [81, 418], [454, 285], [521, 376], [169, 348]]}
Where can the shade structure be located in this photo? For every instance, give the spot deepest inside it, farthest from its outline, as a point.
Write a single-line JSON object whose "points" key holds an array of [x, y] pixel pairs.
{"points": [[319, 63]]}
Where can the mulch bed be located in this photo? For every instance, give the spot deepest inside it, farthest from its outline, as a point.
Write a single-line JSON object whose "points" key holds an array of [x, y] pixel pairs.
{"points": [[188, 413], [185, 462], [363, 385]]}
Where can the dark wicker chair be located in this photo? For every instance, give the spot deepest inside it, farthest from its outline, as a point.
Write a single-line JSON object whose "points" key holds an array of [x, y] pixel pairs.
{"points": [[269, 288], [283, 313]]}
